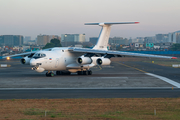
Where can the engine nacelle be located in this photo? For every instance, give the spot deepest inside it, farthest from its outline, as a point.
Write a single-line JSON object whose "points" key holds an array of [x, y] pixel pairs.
{"points": [[103, 61], [84, 60], [25, 60]]}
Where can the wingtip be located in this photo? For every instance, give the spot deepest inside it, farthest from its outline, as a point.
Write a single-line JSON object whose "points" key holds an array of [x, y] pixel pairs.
{"points": [[136, 22], [174, 58]]}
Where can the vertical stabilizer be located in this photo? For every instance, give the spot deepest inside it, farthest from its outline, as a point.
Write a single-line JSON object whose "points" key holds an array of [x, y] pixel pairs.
{"points": [[105, 33]]}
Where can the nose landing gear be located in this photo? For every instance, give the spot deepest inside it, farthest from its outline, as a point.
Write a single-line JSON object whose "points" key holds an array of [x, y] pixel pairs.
{"points": [[49, 74]]}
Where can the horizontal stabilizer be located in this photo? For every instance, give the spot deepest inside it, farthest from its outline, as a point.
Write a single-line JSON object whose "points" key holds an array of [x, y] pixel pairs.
{"points": [[110, 23]]}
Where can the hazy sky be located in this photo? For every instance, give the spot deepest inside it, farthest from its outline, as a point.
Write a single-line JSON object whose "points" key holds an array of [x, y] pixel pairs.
{"points": [[56, 17]]}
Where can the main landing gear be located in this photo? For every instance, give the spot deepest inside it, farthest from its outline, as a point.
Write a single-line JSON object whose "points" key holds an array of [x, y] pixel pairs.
{"points": [[88, 72], [63, 73], [49, 74]]}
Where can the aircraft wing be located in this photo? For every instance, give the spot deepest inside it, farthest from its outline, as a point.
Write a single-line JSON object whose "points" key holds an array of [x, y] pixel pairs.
{"points": [[27, 53], [21, 54], [117, 53]]}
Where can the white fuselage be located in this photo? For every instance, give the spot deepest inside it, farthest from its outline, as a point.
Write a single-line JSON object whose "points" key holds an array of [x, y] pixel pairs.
{"points": [[60, 59]]}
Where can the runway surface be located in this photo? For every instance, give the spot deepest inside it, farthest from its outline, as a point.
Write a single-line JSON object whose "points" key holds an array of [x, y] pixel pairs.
{"points": [[120, 80], [89, 93]]}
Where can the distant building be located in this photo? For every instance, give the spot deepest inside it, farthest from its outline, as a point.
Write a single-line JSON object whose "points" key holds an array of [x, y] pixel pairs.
{"points": [[149, 45], [118, 41], [11, 40], [159, 37], [26, 48], [8, 40], [149, 39], [31, 42], [136, 45], [170, 38], [165, 38], [26, 39], [42, 40], [79, 46], [1, 40], [52, 37], [18, 40], [140, 39], [174, 37], [130, 41], [93, 40], [73, 38]]}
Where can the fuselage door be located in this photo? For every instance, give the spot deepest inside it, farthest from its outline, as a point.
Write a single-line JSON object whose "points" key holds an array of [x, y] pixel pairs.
{"points": [[57, 62]]}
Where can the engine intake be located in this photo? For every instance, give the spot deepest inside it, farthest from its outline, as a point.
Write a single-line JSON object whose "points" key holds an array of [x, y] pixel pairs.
{"points": [[25, 60], [84, 60], [103, 61]]}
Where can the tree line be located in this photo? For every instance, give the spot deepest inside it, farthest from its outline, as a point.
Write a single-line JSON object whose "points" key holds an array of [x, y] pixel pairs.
{"points": [[53, 43]]}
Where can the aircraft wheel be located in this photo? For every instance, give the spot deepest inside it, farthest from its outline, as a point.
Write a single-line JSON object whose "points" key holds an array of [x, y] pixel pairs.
{"points": [[57, 72], [89, 72], [80, 72], [47, 74], [51, 74], [60, 73], [85, 72]]}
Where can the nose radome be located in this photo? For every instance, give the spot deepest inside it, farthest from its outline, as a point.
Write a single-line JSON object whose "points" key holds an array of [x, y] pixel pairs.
{"points": [[33, 62]]}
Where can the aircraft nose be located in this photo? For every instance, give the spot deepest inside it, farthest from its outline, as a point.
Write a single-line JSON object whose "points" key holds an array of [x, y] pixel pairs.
{"points": [[33, 62]]}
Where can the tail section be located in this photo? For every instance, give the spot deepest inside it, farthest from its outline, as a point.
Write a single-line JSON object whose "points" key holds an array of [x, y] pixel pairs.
{"points": [[105, 33]]}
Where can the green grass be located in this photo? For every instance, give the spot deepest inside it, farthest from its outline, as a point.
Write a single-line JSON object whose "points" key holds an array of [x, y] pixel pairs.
{"points": [[115, 115], [34, 111]]}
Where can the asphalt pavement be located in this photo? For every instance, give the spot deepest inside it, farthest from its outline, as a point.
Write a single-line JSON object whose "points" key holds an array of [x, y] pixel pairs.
{"points": [[119, 80]]}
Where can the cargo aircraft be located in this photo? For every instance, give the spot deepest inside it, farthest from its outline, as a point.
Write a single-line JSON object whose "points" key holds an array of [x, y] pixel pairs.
{"points": [[67, 60]]}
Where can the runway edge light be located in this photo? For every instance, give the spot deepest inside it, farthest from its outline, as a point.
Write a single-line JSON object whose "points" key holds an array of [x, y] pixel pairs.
{"points": [[8, 58]]}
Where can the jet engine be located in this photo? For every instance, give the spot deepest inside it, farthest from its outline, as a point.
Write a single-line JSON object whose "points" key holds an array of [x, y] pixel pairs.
{"points": [[84, 60], [25, 60], [103, 61]]}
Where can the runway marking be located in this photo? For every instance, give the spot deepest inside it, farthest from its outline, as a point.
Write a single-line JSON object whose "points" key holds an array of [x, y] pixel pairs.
{"points": [[98, 88], [132, 67], [157, 76], [165, 79], [108, 77], [100, 68]]}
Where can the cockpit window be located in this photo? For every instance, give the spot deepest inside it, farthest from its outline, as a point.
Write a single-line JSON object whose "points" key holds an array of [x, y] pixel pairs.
{"points": [[39, 55]]}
